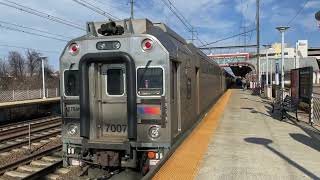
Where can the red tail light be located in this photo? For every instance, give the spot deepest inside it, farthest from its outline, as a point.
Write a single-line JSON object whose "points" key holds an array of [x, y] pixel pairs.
{"points": [[74, 48], [147, 44]]}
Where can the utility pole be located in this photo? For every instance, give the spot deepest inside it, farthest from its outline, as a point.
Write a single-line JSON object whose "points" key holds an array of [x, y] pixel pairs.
{"points": [[43, 81], [192, 34], [131, 2], [258, 42]]}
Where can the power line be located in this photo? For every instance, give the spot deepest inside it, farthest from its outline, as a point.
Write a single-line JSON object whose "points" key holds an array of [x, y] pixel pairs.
{"points": [[112, 4], [40, 14], [181, 18], [21, 47], [229, 47], [25, 27], [294, 17], [229, 37], [170, 6], [96, 9], [31, 33]]}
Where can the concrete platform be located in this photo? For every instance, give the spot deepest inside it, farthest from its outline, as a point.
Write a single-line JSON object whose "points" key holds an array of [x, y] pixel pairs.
{"points": [[251, 144], [29, 102]]}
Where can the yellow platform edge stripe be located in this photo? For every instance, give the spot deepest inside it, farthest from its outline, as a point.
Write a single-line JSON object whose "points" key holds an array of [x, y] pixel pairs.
{"points": [[186, 160]]}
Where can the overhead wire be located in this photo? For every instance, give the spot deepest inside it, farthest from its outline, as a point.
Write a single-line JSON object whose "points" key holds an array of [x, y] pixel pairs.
{"points": [[229, 37], [111, 5], [38, 13], [31, 33], [34, 29], [300, 10], [21, 47], [96, 9], [181, 18]]}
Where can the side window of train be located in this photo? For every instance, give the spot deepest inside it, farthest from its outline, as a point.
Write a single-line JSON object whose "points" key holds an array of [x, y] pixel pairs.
{"points": [[173, 80], [115, 82], [71, 83], [189, 88], [150, 81]]}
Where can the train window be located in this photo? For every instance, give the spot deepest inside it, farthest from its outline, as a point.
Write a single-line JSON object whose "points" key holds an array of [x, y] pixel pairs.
{"points": [[150, 81], [71, 83], [115, 82]]}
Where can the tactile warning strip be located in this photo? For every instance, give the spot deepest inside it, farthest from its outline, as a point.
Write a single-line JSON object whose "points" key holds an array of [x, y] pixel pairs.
{"points": [[185, 161]]}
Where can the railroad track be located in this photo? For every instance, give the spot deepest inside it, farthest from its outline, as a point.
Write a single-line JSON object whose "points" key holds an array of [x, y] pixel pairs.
{"points": [[20, 138], [41, 136], [23, 126], [34, 166]]}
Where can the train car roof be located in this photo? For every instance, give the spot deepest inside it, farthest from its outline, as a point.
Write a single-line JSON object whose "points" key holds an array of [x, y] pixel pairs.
{"points": [[172, 41]]}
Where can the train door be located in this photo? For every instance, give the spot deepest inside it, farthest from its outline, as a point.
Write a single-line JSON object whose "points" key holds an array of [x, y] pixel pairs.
{"points": [[113, 103], [175, 99]]}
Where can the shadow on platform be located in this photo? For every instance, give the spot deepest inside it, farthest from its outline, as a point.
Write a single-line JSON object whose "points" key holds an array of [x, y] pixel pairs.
{"points": [[306, 140], [265, 142], [262, 101], [252, 110]]}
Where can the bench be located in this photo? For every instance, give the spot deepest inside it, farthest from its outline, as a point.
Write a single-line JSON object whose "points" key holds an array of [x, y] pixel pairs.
{"points": [[290, 104], [277, 101]]}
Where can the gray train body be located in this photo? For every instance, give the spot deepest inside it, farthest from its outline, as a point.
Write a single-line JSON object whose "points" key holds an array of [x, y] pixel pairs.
{"points": [[126, 95]]}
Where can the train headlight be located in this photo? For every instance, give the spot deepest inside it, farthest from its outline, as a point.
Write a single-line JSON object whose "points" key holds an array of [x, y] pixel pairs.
{"points": [[108, 45], [72, 129], [147, 44], [154, 132], [116, 45]]}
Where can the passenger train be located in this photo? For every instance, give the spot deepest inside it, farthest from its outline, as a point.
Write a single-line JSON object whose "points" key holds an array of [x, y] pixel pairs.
{"points": [[130, 90]]}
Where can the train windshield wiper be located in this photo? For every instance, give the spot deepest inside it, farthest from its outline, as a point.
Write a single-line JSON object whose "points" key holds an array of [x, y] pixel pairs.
{"points": [[144, 71]]}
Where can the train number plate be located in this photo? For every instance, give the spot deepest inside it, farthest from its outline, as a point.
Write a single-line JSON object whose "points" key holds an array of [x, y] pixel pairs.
{"points": [[116, 128]]}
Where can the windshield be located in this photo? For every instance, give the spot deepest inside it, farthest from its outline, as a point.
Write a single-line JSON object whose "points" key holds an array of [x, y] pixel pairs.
{"points": [[71, 83], [150, 81]]}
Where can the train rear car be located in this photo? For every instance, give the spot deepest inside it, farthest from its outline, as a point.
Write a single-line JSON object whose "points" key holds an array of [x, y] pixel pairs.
{"points": [[130, 89]]}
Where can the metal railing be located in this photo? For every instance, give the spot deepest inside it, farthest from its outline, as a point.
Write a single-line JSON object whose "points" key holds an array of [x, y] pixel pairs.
{"points": [[19, 95]]}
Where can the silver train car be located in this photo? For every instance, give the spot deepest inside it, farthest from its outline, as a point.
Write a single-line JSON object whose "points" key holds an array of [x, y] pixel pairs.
{"points": [[129, 90]]}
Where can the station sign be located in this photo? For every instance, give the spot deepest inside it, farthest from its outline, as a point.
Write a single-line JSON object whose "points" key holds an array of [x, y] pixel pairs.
{"points": [[302, 83], [305, 83]]}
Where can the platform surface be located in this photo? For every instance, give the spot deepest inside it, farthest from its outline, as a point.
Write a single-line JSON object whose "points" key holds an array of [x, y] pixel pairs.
{"points": [[29, 102], [251, 144]]}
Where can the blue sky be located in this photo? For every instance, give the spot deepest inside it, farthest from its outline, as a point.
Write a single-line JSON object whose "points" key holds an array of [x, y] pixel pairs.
{"points": [[213, 20]]}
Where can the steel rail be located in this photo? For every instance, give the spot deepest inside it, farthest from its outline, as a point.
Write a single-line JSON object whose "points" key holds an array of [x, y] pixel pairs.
{"points": [[26, 142], [27, 121], [26, 132]]}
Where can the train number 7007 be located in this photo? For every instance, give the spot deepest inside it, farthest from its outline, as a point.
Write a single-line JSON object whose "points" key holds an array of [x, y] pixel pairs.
{"points": [[120, 128]]}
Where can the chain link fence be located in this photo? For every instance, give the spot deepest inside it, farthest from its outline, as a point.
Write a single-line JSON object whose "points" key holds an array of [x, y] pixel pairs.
{"points": [[19, 95], [315, 108]]}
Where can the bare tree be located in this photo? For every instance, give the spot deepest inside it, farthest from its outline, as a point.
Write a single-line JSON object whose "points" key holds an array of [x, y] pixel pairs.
{"points": [[4, 68], [17, 64], [33, 62]]}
